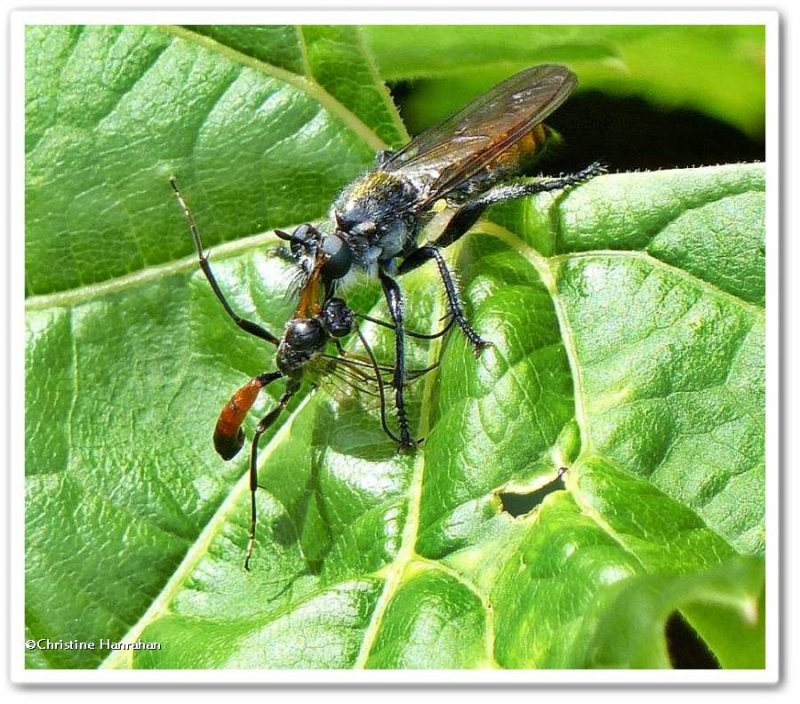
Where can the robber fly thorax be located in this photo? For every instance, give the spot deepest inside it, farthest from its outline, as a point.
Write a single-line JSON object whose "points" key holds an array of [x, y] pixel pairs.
{"points": [[380, 216]]}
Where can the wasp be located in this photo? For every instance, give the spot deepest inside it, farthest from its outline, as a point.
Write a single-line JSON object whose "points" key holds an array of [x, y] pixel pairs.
{"points": [[302, 352], [470, 161]]}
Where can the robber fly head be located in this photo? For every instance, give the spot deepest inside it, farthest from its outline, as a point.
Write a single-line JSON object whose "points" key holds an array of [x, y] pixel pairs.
{"points": [[315, 252]]}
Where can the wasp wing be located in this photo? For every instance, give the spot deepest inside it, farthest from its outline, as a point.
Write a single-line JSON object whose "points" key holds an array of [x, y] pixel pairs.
{"points": [[451, 152], [311, 292]]}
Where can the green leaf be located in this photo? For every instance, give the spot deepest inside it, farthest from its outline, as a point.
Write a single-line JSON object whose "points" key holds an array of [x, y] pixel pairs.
{"points": [[589, 603], [718, 70], [726, 604], [627, 317], [114, 111]]}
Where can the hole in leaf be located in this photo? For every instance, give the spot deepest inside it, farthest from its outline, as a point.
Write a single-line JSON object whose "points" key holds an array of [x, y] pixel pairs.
{"points": [[518, 504], [687, 651]]}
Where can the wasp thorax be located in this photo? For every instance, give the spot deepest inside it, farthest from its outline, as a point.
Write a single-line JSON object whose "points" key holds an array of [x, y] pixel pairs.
{"points": [[303, 339], [304, 333]]}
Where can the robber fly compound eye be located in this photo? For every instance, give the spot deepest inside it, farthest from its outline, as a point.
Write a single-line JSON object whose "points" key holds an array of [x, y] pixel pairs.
{"points": [[339, 258]]}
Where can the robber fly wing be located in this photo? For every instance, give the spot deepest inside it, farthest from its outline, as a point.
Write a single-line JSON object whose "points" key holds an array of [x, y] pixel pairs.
{"points": [[449, 153]]}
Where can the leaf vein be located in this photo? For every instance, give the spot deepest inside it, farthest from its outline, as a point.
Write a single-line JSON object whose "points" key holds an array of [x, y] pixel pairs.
{"points": [[302, 83]]}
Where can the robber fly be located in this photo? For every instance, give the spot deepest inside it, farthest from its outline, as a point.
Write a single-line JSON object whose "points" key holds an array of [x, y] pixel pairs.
{"points": [[320, 319], [466, 160]]}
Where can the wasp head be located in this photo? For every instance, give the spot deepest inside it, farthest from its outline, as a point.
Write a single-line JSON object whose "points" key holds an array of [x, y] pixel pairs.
{"points": [[307, 243]]}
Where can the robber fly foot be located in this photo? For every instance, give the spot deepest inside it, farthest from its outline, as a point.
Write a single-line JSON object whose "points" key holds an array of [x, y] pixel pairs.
{"points": [[596, 168], [479, 346], [407, 446]]}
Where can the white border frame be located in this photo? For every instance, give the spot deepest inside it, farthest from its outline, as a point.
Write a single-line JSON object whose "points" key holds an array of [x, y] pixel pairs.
{"points": [[18, 21]]}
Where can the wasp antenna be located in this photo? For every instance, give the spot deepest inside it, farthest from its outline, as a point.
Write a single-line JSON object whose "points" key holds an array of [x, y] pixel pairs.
{"points": [[198, 243], [243, 323]]}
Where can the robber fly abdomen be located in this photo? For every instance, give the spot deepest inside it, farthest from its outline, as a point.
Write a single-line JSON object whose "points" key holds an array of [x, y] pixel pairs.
{"points": [[518, 160]]}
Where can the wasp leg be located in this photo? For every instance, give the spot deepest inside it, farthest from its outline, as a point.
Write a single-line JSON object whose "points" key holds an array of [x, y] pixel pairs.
{"points": [[261, 428], [451, 289], [394, 299], [243, 323], [379, 381]]}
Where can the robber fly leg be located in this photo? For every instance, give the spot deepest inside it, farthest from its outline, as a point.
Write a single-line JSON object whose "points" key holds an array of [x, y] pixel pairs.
{"points": [[261, 428], [410, 333], [394, 299], [502, 193], [383, 156], [243, 323], [451, 289], [467, 215]]}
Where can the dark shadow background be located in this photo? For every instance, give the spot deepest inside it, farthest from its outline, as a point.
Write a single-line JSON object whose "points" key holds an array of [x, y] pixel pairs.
{"points": [[629, 134], [632, 134]]}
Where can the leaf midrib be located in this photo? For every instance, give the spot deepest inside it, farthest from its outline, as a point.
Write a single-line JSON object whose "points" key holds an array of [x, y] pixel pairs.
{"points": [[85, 294], [406, 553], [547, 268]]}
